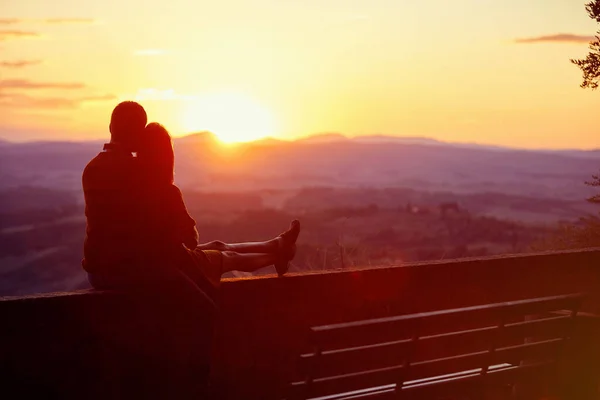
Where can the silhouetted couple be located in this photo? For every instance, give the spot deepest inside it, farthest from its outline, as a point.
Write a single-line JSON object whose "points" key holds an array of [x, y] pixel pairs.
{"points": [[139, 233]]}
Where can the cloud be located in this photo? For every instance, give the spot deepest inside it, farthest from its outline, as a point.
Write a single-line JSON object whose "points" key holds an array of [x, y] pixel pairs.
{"points": [[17, 34], [18, 100], [21, 34], [54, 21], [557, 38], [69, 20], [27, 84], [149, 52], [26, 101], [19, 63]]}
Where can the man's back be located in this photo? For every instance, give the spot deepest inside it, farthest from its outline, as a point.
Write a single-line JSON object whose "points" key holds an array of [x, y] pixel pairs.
{"points": [[114, 218]]}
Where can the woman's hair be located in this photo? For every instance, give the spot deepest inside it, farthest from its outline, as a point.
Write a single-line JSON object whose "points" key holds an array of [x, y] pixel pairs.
{"points": [[156, 153]]}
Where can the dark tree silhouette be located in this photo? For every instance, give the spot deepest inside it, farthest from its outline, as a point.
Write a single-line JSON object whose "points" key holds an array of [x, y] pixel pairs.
{"points": [[587, 232], [590, 66], [591, 78], [595, 182], [584, 234]]}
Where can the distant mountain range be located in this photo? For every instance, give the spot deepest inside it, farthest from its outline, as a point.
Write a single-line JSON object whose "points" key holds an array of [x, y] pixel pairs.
{"points": [[329, 159], [338, 137], [330, 137]]}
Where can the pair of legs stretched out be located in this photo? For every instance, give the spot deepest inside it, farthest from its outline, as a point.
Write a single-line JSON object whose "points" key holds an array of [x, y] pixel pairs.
{"points": [[251, 256]]}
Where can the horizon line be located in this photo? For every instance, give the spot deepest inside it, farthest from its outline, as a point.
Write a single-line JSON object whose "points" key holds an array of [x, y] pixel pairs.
{"points": [[341, 137]]}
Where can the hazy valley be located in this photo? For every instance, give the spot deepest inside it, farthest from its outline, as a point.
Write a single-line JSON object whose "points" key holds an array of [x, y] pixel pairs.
{"points": [[363, 201]]}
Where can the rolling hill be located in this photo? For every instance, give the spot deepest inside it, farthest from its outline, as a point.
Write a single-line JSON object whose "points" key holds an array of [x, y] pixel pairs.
{"points": [[326, 160]]}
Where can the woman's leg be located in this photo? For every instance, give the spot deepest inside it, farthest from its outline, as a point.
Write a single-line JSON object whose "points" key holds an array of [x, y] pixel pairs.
{"points": [[269, 246], [287, 238], [246, 262]]}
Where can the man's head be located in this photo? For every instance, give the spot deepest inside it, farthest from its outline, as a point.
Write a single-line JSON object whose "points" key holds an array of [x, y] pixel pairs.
{"points": [[127, 123]]}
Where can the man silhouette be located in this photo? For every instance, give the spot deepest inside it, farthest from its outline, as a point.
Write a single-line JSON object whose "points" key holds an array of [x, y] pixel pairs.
{"points": [[111, 202]]}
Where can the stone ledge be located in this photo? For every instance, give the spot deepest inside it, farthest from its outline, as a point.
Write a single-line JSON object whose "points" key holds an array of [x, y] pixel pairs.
{"points": [[228, 282]]}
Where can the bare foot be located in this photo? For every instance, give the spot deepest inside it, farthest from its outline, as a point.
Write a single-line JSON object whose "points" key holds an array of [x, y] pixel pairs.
{"points": [[287, 247]]}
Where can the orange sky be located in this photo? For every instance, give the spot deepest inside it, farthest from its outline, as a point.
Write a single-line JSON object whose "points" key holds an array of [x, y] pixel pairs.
{"points": [[454, 71]]}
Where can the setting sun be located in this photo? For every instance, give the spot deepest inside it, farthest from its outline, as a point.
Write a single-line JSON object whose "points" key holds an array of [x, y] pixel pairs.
{"points": [[232, 117]]}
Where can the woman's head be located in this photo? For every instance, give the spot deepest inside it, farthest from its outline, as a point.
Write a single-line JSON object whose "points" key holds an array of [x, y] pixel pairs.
{"points": [[156, 151]]}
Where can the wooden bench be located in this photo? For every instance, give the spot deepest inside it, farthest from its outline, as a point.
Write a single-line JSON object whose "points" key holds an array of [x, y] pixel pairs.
{"points": [[473, 350]]}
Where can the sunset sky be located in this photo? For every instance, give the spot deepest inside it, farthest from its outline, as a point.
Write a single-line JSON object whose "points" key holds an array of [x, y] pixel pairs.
{"points": [[494, 72]]}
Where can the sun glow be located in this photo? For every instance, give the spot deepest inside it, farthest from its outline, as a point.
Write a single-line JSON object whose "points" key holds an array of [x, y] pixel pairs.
{"points": [[232, 117]]}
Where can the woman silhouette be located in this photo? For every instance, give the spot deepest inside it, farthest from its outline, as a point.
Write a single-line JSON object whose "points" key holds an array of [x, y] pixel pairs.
{"points": [[172, 237]]}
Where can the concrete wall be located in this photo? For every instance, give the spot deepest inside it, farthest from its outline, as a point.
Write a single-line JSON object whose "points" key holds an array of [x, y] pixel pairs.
{"points": [[112, 344], [100, 345]]}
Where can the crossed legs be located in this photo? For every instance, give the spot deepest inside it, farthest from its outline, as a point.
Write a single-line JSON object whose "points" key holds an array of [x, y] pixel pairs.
{"points": [[251, 256]]}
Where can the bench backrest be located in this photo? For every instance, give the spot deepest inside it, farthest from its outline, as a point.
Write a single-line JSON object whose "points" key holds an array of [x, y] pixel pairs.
{"points": [[402, 353]]}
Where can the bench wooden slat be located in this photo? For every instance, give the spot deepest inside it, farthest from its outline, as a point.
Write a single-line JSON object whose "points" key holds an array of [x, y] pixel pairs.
{"points": [[470, 383], [377, 393], [432, 368], [349, 382], [546, 350], [359, 333], [356, 359], [383, 355], [543, 306], [444, 366], [466, 384], [464, 342]]}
